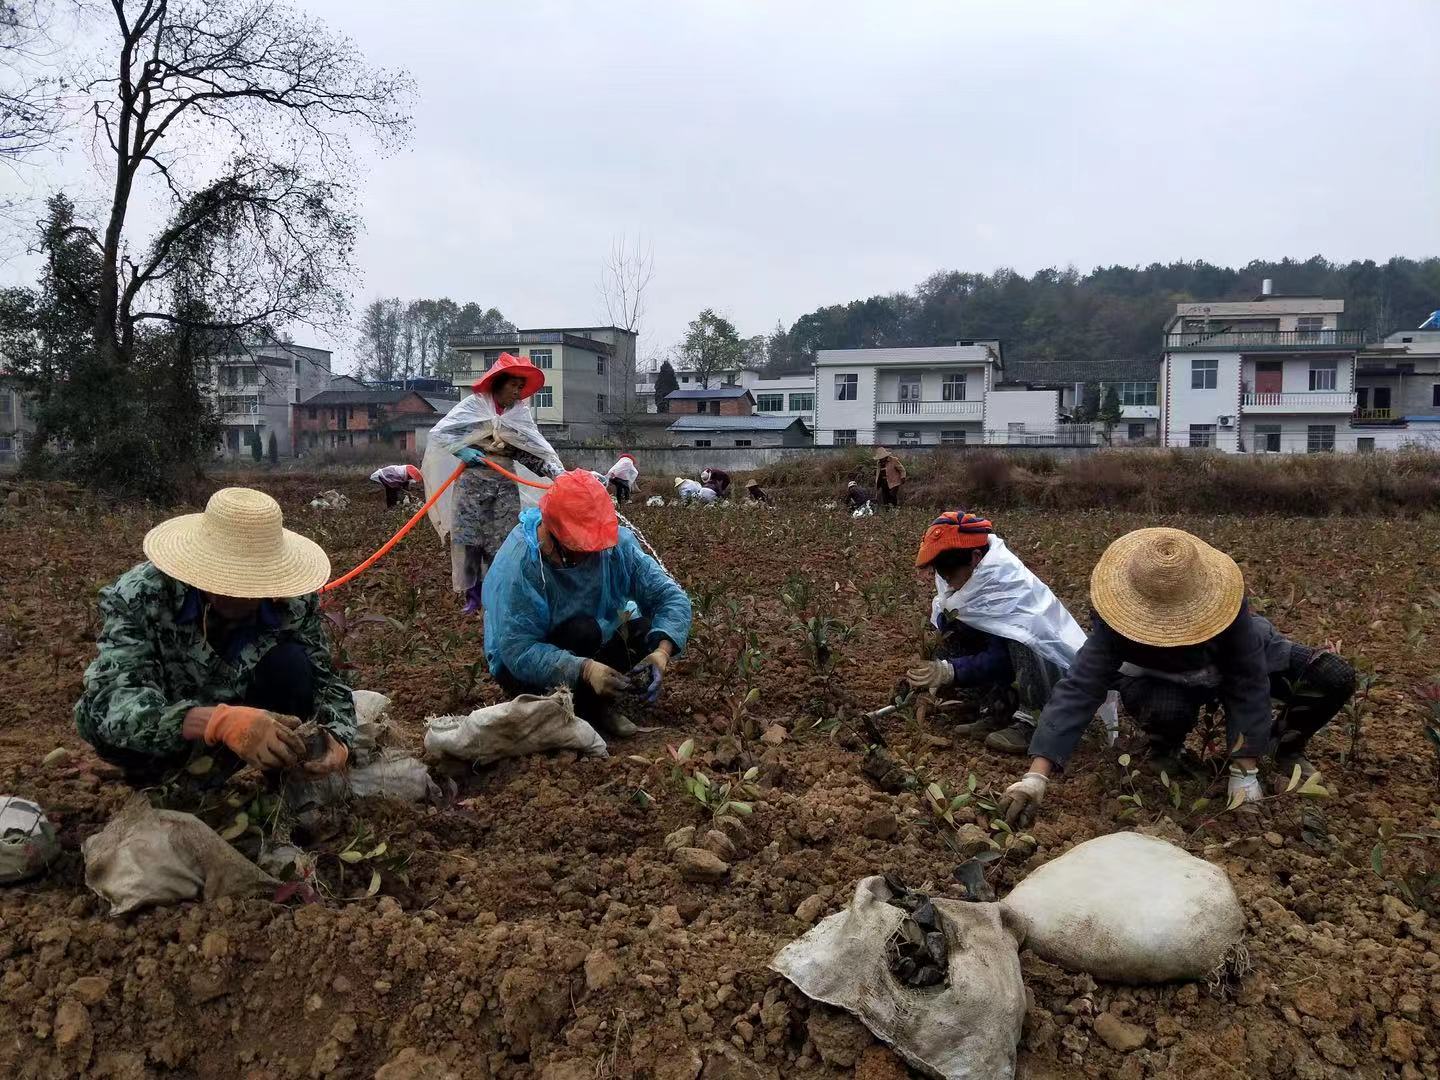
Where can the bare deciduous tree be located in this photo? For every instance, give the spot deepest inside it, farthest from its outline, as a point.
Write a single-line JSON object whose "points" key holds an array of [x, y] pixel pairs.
{"points": [[30, 104], [624, 280]]}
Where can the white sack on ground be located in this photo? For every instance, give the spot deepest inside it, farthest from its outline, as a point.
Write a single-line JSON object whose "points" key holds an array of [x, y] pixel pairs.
{"points": [[27, 840], [372, 719], [527, 725], [1130, 908], [967, 1030], [148, 856]]}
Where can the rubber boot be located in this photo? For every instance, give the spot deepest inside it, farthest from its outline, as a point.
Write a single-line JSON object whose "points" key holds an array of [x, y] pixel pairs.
{"points": [[472, 600], [613, 724], [978, 729], [1012, 739]]}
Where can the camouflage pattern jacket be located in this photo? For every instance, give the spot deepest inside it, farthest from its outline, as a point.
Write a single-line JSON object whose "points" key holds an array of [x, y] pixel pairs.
{"points": [[155, 664]]}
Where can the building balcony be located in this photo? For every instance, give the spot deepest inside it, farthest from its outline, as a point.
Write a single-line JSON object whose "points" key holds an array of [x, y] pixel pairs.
{"points": [[1376, 418], [930, 410], [1264, 340], [1302, 401]]}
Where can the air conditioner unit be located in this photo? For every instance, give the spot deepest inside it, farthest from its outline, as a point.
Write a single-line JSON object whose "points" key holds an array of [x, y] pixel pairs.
{"points": [[1225, 421]]}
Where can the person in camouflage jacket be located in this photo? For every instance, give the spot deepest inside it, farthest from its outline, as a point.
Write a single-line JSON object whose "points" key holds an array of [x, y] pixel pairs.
{"points": [[178, 665]]}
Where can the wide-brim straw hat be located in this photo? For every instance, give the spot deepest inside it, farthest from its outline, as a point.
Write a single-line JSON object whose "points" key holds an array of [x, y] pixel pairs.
{"points": [[1166, 588], [238, 547], [881, 453]]}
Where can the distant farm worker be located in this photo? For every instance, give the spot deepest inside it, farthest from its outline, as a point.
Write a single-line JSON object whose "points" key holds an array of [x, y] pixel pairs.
{"points": [[572, 600], [717, 480], [889, 476], [217, 641], [622, 477], [756, 493], [856, 496], [396, 480], [478, 511], [1004, 634], [1172, 630], [688, 491]]}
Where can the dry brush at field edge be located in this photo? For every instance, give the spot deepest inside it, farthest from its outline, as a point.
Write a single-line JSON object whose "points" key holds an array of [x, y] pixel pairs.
{"points": [[544, 927]]}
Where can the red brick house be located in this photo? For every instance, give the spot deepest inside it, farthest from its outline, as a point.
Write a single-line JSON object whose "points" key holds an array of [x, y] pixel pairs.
{"points": [[714, 401], [340, 419]]}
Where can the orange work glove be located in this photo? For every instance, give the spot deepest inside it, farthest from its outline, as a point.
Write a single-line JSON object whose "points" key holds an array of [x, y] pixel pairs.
{"points": [[335, 758], [258, 737]]}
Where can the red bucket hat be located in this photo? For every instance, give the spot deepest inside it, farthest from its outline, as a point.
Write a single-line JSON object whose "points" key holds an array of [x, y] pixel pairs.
{"points": [[579, 514], [517, 367], [953, 530], [414, 474]]}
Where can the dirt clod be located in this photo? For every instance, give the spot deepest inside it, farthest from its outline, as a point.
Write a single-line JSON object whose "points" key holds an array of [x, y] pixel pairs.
{"points": [[697, 864], [1120, 1035]]}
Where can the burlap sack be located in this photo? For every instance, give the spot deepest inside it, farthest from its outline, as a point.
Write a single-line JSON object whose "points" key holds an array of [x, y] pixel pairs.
{"points": [[1131, 908], [27, 840], [148, 856], [526, 725], [966, 1030]]}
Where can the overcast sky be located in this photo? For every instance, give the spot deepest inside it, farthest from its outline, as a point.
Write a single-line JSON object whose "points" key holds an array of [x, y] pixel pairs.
{"points": [[778, 156]]}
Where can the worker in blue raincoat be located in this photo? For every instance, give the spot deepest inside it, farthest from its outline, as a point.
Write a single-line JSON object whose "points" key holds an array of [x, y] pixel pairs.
{"points": [[572, 600]]}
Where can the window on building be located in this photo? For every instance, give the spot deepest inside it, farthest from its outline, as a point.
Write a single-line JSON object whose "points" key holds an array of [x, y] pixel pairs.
{"points": [[769, 402], [1016, 427], [7, 445], [600, 403], [232, 377], [1435, 395], [252, 376], [310, 413], [1137, 393], [847, 387], [702, 443], [543, 358], [1202, 434], [1405, 369], [1319, 438], [1267, 438], [742, 442], [297, 365], [489, 356], [1322, 374], [1135, 432], [1365, 445], [699, 406], [953, 388], [544, 398], [844, 436], [373, 412], [908, 438], [802, 402], [599, 365], [952, 438], [1309, 326], [714, 409], [7, 406], [1204, 373]]}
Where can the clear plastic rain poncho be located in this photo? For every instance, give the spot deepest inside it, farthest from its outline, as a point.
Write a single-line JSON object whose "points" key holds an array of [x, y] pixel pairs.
{"points": [[624, 470], [1004, 598], [474, 421]]}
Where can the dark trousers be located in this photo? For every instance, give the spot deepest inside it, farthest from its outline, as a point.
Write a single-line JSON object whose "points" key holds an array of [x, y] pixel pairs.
{"points": [[282, 682], [1312, 689], [580, 635], [392, 494], [889, 496], [620, 489]]}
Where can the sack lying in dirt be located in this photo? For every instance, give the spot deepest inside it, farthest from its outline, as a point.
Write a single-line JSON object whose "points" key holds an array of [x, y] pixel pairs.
{"points": [[148, 856], [1131, 908], [27, 840], [654, 500], [527, 725], [372, 720], [396, 774], [965, 1030], [330, 500]]}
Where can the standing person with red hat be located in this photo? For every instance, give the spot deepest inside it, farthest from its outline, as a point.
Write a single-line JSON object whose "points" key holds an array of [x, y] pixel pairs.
{"points": [[622, 477], [396, 479], [478, 511], [572, 600], [1005, 634]]}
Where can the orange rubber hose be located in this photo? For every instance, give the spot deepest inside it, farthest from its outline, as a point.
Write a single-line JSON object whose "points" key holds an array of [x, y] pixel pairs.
{"points": [[404, 529]]}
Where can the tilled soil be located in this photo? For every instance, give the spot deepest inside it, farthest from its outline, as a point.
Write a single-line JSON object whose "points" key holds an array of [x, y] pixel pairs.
{"points": [[540, 923]]}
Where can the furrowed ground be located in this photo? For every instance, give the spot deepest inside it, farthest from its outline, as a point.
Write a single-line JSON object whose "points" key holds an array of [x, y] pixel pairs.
{"points": [[538, 924]]}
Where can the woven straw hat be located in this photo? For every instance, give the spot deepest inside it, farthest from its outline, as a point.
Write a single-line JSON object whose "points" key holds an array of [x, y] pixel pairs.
{"points": [[1167, 588], [238, 548], [881, 453]]}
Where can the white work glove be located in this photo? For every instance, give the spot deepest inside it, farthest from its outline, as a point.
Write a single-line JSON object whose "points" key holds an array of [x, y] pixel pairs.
{"points": [[931, 675], [1244, 786], [1022, 799], [604, 680]]}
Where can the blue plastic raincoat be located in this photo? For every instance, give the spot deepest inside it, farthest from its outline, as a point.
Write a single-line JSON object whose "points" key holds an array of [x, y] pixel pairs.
{"points": [[525, 598]]}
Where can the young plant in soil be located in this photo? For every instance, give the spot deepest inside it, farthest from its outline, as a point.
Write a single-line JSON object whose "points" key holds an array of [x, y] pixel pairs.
{"points": [[820, 634], [1431, 696], [1419, 882]]}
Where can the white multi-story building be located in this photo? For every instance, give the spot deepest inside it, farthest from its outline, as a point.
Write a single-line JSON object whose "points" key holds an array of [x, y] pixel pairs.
{"points": [[907, 397], [254, 389], [1271, 375], [787, 397]]}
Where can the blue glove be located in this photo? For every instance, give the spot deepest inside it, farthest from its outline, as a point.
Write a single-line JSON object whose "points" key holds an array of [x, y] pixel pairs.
{"points": [[653, 670], [469, 455]]}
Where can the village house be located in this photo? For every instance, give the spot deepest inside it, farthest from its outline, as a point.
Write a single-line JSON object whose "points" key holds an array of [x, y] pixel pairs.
{"points": [[350, 419]]}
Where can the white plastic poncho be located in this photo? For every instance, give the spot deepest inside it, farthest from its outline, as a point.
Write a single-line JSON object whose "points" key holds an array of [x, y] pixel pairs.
{"points": [[624, 470], [1004, 598], [474, 421]]}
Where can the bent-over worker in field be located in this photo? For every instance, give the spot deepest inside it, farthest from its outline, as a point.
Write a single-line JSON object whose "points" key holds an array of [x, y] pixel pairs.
{"points": [[856, 497], [572, 600], [716, 480], [216, 639], [755, 493], [1173, 632], [688, 491], [622, 477], [396, 480], [478, 511], [1004, 633], [889, 477]]}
